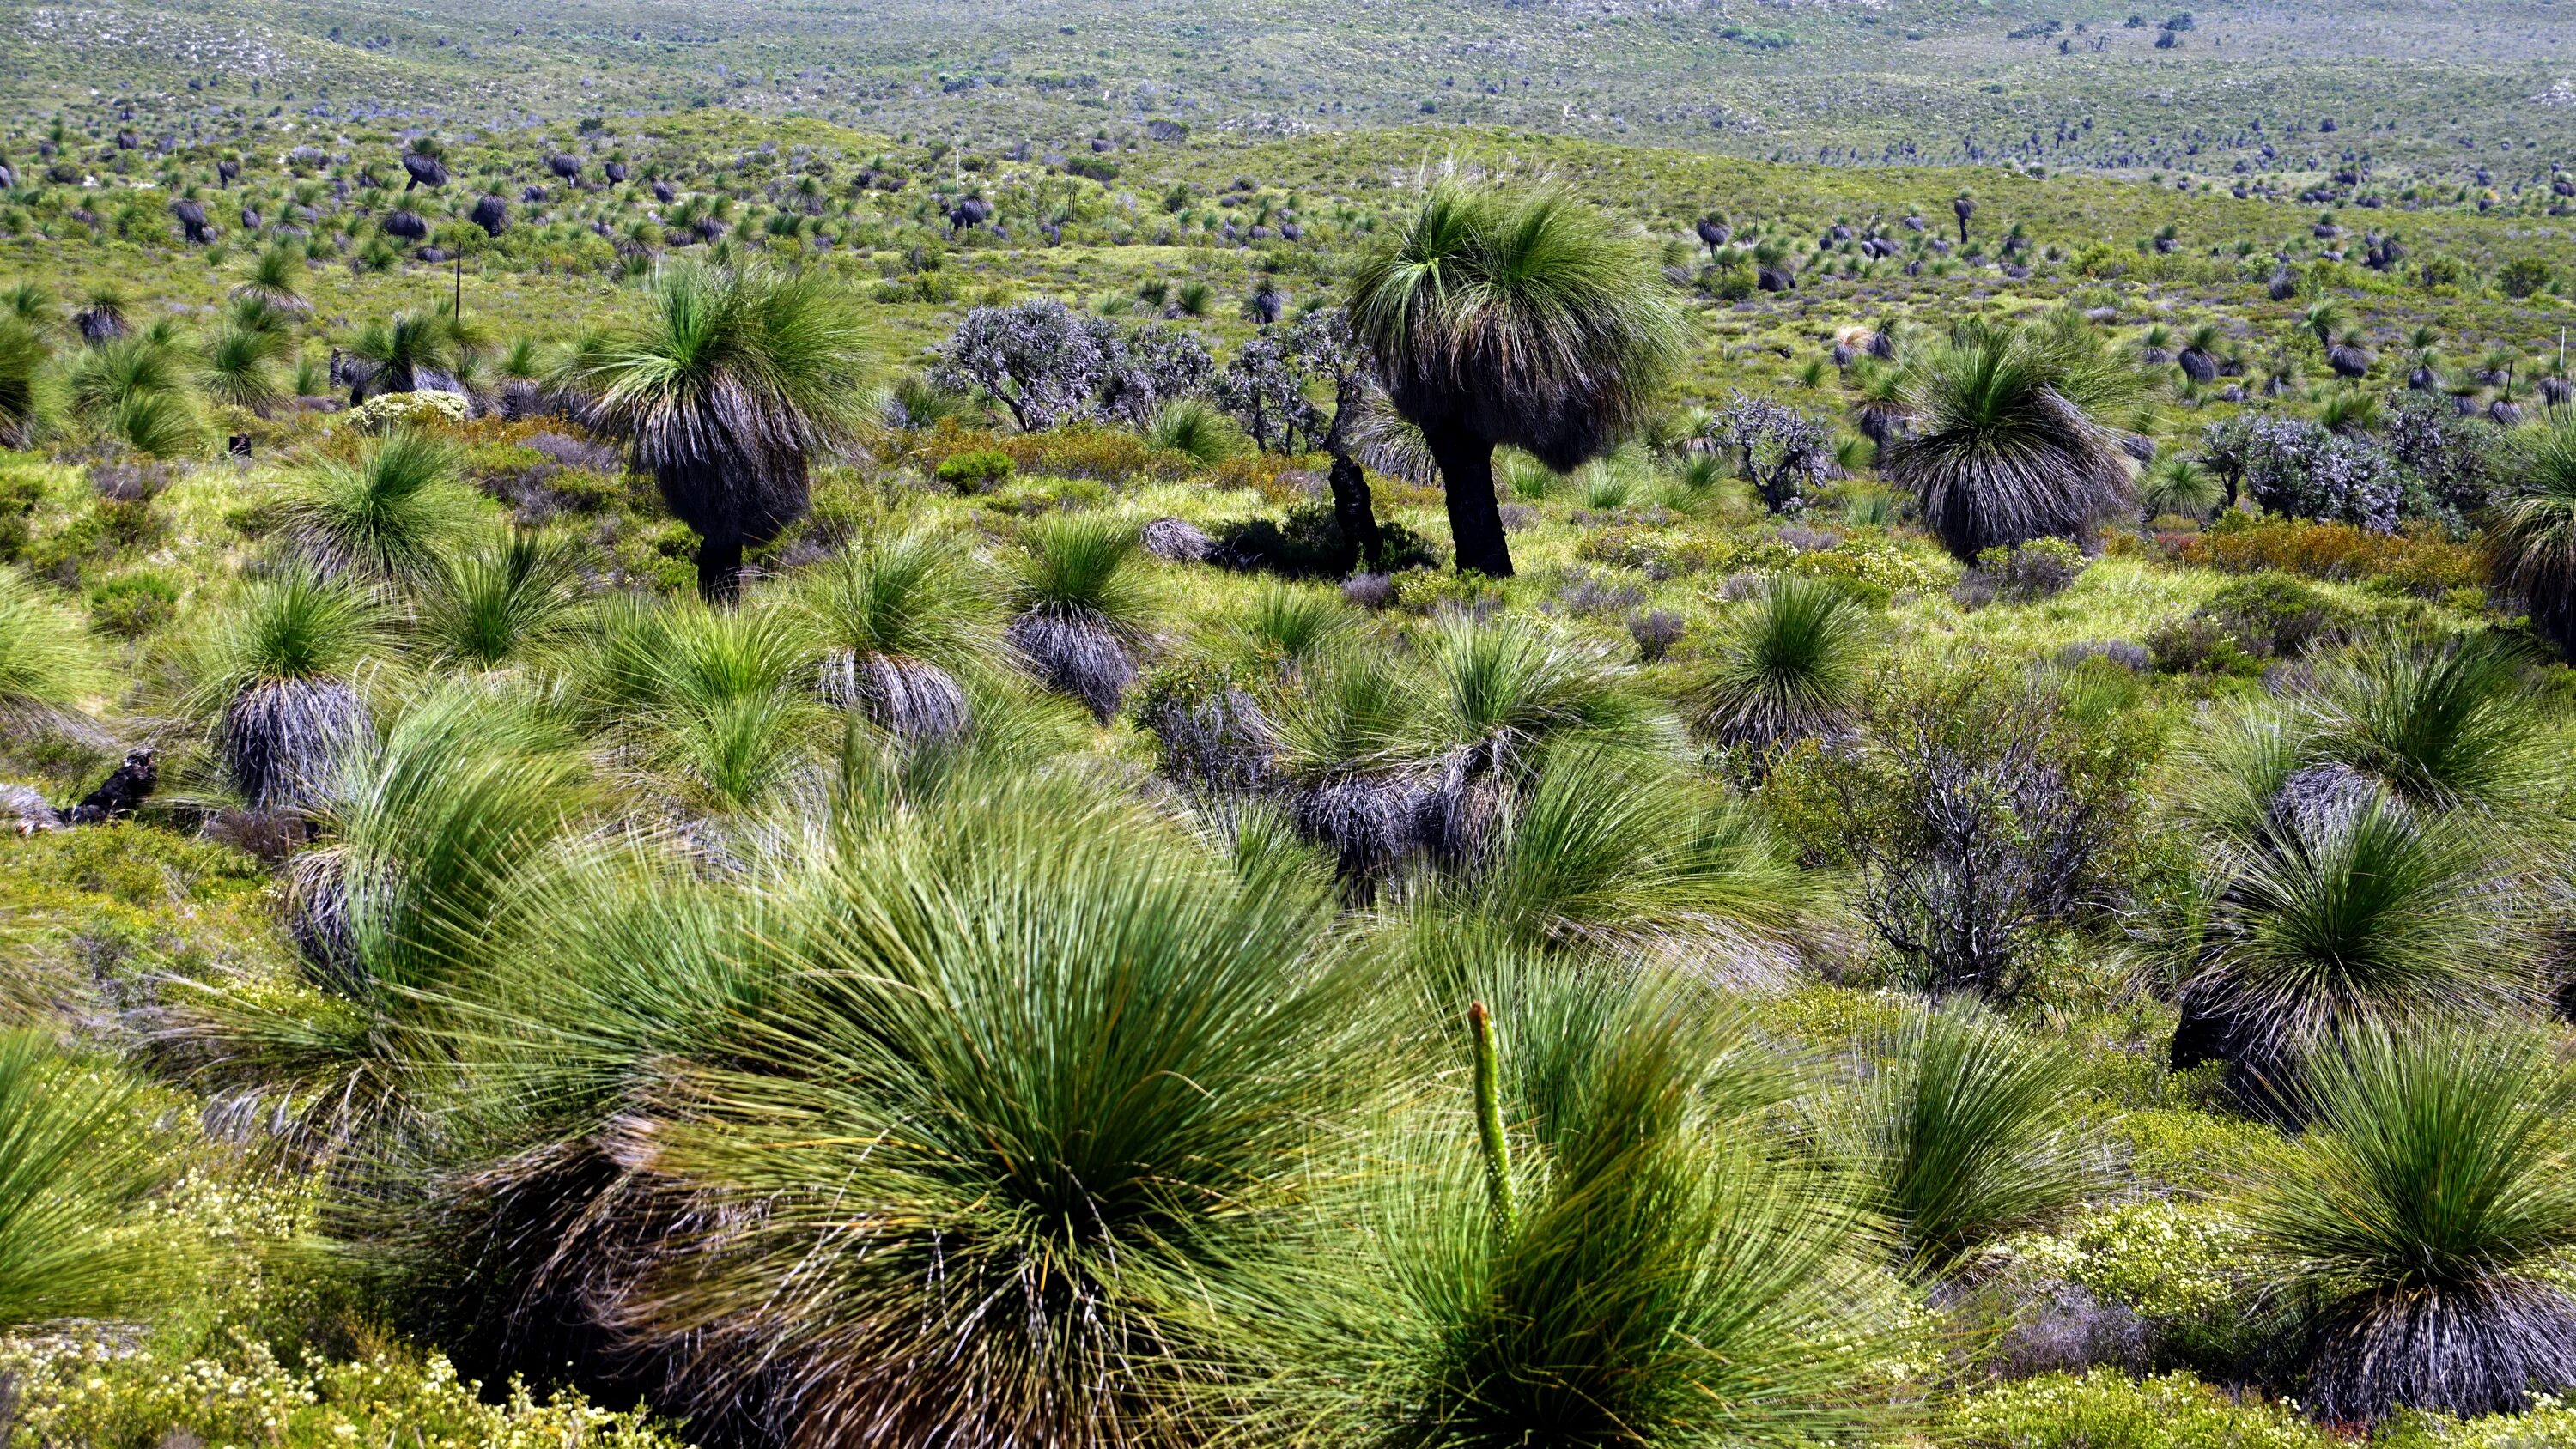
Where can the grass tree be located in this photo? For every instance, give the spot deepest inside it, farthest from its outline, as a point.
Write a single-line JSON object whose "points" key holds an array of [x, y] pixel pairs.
{"points": [[386, 515], [435, 837], [2179, 487], [708, 699], [1788, 666], [23, 358], [1961, 1135], [501, 599], [1594, 1249], [900, 618], [1196, 430], [48, 663], [2007, 443], [2418, 1229], [275, 278], [2440, 724], [2349, 910], [2531, 539], [404, 353], [101, 314], [1489, 694], [1525, 321], [275, 675], [240, 366], [78, 1168], [116, 372], [470, 782], [1493, 687], [1080, 605], [1609, 849], [1022, 1121], [726, 390]]}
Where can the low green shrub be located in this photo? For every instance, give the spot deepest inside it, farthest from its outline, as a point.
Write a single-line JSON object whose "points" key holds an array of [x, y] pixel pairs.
{"points": [[408, 409], [2108, 1410], [2267, 615], [133, 605], [1874, 568], [2040, 569], [2162, 1259], [975, 471]]}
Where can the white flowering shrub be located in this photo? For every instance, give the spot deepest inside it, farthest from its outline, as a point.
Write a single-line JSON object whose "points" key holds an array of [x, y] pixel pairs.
{"points": [[406, 409]]}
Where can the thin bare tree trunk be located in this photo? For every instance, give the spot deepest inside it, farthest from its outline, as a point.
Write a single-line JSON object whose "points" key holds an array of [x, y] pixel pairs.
{"points": [[1354, 511]]}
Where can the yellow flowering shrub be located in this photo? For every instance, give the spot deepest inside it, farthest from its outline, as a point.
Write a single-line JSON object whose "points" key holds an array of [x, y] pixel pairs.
{"points": [[2106, 1409], [2160, 1258], [90, 1395], [1876, 564]]}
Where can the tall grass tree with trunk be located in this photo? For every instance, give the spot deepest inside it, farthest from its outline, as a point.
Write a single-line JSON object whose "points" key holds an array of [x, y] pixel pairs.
{"points": [[725, 390], [1513, 320]]}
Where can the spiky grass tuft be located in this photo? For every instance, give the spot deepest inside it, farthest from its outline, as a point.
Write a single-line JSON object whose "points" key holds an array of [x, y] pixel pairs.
{"points": [[1661, 1280], [1080, 602], [1008, 1148], [2350, 911], [77, 1169], [48, 665], [1197, 431], [2532, 545], [716, 702], [900, 618], [1961, 1135], [501, 600], [1616, 850], [23, 359], [1788, 667], [385, 516], [2440, 724]]}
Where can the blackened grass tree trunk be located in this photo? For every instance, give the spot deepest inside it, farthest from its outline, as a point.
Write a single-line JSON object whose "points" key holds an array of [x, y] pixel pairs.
{"points": [[1265, 388], [1467, 487], [1354, 509], [725, 390], [1523, 319]]}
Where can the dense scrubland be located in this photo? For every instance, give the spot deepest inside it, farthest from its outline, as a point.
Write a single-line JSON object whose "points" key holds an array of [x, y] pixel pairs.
{"points": [[985, 773]]}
